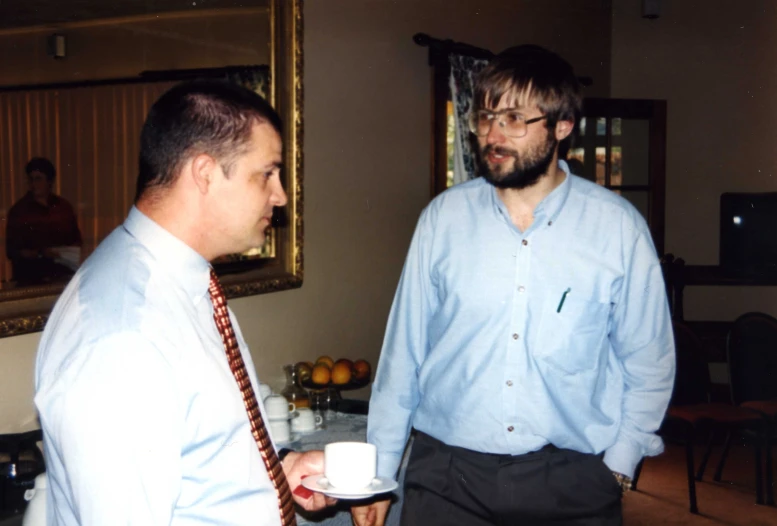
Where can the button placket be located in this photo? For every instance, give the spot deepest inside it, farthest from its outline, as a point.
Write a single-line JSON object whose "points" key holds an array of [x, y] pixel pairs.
{"points": [[516, 346]]}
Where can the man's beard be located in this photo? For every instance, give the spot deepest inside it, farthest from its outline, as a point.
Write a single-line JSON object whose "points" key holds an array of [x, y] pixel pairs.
{"points": [[525, 173]]}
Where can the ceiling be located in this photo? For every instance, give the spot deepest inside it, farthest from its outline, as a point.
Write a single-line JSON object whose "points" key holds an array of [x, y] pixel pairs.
{"points": [[25, 13]]}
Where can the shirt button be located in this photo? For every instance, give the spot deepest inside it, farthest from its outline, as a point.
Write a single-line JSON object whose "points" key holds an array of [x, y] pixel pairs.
{"points": [[511, 429], [509, 383], [521, 288], [525, 242], [515, 336]]}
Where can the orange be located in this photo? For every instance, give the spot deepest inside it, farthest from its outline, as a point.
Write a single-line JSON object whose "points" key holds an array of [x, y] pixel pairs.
{"points": [[341, 372], [362, 369], [346, 361], [321, 374], [325, 360]]}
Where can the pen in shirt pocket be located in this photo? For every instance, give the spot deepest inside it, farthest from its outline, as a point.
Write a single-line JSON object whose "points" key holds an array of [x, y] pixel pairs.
{"points": [[563, 298]]}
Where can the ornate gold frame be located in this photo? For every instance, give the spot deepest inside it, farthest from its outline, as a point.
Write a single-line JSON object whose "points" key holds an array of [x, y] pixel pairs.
{"points": [[28, 310]]}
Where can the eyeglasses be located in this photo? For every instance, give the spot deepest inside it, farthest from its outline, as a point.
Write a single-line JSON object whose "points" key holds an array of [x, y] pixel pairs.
{"points": [[511, 122]]}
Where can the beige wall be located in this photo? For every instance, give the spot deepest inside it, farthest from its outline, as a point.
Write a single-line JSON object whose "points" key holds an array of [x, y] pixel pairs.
{"points": [[17, 362], [367, 145], [711, 62]]}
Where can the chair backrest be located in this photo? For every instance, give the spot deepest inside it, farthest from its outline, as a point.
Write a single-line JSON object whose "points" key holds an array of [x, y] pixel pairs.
{"points": [[692, 376], [751, 350], [666, 266]]}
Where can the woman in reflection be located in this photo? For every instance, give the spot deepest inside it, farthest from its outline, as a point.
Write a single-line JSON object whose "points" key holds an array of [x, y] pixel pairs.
{"points": [[42, 238]]}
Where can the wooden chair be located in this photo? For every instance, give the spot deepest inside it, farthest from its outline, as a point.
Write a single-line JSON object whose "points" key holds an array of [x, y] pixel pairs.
{"points": [[751, 351], [691, 415]]}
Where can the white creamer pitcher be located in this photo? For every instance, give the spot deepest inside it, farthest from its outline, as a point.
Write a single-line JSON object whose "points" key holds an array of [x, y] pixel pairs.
{"points": [[35, 514]]}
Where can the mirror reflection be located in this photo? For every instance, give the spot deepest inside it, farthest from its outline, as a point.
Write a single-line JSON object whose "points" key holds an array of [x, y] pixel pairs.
{"points": [[42, 240], [83, 179], [78, 80]]}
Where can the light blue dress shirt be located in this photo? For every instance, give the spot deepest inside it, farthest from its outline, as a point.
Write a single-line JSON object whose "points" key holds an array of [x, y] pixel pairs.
{"points": [[480, 351], [143, 422]]}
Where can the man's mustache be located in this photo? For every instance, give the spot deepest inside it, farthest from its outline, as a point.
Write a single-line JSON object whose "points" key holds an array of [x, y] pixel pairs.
{"points": [[498, 150]]}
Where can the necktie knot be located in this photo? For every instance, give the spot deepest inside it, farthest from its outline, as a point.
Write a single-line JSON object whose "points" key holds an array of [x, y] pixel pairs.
{"points": [[215, 289]]}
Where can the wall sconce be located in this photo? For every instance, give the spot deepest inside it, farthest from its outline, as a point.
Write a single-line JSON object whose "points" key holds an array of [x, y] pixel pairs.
{"points": [[651, 9], [56, 46]]}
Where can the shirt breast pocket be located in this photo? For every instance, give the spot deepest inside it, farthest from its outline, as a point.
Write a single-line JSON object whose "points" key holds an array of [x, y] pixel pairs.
{"points": [[572, 338]]}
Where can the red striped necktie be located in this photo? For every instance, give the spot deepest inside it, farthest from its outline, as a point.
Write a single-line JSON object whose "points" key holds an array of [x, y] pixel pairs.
{"points": [[258, 429]]}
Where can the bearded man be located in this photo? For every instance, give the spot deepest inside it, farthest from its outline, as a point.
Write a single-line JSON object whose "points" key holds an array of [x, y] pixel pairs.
{"points": [[529, 344]]}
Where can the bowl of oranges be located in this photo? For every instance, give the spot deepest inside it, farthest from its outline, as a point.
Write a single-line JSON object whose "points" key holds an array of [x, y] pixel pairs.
{"points": [[343, 374]]}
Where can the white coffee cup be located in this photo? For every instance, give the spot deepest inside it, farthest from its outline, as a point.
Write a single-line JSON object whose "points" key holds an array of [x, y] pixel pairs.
{"points": [[279, 429], [350, 465], [306, 420], [276, 406], [264, 391]]}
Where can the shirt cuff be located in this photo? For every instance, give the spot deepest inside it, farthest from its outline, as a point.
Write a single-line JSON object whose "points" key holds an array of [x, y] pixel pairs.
{"points": [[623, 458], [388, 465]]}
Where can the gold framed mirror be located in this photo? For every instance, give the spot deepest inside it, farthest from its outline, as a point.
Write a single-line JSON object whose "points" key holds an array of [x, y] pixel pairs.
{"points": [[81, 77]]}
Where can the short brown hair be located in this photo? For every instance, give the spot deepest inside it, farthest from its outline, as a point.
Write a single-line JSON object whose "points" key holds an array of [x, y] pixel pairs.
{"points": [[533, 72], [209, 116]]}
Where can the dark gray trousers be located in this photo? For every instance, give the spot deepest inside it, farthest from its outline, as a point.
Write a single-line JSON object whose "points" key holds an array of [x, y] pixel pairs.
{"points": [[451, 486]]}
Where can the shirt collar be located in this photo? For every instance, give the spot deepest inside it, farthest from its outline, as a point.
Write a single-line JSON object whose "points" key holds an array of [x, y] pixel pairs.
{"points": [[547, 209], [183, 263], [551, 206]]}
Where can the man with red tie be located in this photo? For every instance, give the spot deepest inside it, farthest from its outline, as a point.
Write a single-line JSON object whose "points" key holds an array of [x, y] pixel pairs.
{"points": [[144, 382]]}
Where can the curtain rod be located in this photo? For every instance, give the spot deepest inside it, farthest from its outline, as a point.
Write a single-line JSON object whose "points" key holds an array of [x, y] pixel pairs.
{"points": [[448, 46], [439, 47]]}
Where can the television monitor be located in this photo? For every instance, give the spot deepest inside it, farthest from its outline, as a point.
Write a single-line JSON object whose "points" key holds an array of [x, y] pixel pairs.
{"points": [[748, 234]]}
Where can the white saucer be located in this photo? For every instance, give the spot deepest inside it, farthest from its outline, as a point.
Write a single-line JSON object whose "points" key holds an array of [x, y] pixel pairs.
{"points": [[292, 414], [321, 485]]}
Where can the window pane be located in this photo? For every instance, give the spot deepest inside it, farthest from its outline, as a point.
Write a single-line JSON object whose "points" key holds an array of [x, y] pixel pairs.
{"points": [[601, 126], [600, 157], [576, 161], [616, 126], [633, 155], [616, 174], [577, 154]]}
